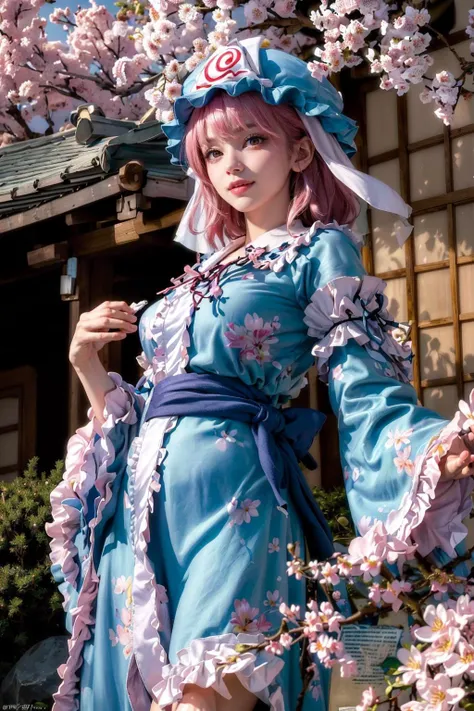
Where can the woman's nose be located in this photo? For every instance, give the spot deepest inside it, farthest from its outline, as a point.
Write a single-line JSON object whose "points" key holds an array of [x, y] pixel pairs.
{"points": [[234, 165]]}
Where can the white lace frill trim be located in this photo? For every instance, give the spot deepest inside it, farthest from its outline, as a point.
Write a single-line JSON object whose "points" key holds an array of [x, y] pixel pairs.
{"points": [[432, 512], [90, 453], [207, 661], [356, 308]]}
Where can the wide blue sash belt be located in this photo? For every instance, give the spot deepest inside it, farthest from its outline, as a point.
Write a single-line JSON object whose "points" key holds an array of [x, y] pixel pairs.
{"points": [[290, 430]]}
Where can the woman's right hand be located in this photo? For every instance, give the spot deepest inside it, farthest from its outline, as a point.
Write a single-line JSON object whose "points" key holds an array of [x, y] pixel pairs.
{"points": [[93, 330]]}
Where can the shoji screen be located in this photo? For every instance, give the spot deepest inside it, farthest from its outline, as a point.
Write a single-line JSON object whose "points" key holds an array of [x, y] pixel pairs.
{"points": [[431, 279]]}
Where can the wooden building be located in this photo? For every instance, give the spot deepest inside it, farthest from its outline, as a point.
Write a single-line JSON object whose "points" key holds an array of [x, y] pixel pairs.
{"points": [[89, 212]]}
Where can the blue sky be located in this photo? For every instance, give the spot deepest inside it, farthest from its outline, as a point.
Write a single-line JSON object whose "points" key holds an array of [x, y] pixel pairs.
{"points": [[56, 32]]}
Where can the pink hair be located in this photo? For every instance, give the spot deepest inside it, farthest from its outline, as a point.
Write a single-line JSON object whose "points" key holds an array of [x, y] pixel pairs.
{"points": [[316, 194]]}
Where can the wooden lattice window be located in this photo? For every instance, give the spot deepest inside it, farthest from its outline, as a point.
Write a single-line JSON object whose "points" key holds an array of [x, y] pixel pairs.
{"points": [[17, 420], [430, 281]]}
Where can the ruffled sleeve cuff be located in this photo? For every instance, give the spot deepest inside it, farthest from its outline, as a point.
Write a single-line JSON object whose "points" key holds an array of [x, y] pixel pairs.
{"points": [[69, 500], [207, 661], [433, 511], [356, 308], [119, 402]]}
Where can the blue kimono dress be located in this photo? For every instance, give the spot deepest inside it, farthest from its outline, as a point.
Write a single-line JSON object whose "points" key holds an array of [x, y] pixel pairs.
{"points": [[167, 542]]}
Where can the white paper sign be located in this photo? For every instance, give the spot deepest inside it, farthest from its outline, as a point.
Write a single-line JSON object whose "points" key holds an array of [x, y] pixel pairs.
{"points": [[369, 646]]}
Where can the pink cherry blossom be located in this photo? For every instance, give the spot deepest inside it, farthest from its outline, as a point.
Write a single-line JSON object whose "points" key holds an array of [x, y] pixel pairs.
{"points": [[403, 462], [398, 438], [227, 438], [441, 650], [375, 591], [414, 706], [274, 546], [273, 599], [126, 616], [348, 667], [413, 665], [243, 513], [368, 699], [124, 635], [249, 509], [263, 625], [253, 339], [274, 647], [295, 567], [122, 584], [244, 617], [439, 693], [438, 620], [286, 640], [322, 647], [467, 417], [462, 662], [329, 574], [292, 612], [391, 594], [464, 610]]}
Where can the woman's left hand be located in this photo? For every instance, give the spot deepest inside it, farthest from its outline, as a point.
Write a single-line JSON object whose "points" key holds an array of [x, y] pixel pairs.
{"points": [[458, 463]]}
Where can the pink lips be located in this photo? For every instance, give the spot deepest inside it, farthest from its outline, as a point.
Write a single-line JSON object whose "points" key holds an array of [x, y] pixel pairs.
{"points": [[240, 188]]}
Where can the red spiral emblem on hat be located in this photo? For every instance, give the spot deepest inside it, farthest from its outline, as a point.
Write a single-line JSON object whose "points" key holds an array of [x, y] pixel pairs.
{"points": [[221, 66]]}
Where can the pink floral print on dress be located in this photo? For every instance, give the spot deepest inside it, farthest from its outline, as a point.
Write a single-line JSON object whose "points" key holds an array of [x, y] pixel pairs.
{"points": [[243, 513], [123, 634], [254, 338]]}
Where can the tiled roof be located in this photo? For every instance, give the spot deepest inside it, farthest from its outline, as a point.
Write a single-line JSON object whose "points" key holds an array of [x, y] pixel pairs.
{"points": [[42, 169]]}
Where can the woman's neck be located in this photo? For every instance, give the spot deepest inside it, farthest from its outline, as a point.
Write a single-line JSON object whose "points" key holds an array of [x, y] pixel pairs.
{"points": [[273, 214]]}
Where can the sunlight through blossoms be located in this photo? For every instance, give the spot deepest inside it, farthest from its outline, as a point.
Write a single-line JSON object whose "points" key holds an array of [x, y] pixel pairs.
{"points": [[433, 672], [135, 60]]}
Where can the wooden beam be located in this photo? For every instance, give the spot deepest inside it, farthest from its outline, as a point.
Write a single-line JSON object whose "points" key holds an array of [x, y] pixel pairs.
{"points": [[411, 285], [86, 215], [453, 269], [104, 189], [392, 274], [144, 224], [129, 205], [433, 323], [438, 382], [45, 256], [431, 204], [104, 239], [175, 189], [421, 145], [431, 266]]}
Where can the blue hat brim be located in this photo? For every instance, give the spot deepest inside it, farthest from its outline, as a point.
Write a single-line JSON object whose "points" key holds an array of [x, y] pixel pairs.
{"points": [[292, 84]]}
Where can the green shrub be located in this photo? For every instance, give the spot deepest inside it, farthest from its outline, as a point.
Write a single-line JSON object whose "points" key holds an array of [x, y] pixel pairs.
{"points": [[335, 508], [30, 603]]}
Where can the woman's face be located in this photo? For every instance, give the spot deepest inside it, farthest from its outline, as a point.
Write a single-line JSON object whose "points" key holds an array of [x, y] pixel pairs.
{"points": [[259, 163]]}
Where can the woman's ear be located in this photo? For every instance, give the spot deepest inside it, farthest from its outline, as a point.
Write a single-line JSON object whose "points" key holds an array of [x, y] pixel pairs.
{"points": [[302, 154]]}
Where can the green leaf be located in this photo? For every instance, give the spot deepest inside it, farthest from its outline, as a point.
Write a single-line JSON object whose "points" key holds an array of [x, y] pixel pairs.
{"points": [[390, 665]]}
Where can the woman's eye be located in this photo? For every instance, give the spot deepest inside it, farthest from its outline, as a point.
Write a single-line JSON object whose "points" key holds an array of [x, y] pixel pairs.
{"points": [[255, 140], [209, 154]]}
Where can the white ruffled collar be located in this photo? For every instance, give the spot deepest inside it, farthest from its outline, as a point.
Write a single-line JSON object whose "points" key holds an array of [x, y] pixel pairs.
{"points": [[267, 240]]}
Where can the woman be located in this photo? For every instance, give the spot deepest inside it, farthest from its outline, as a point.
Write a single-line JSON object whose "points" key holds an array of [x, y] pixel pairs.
{"points": [[180, 497]]}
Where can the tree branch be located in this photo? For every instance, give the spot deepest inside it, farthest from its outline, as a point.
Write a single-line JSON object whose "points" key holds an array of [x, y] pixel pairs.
{"points": [[16, 115]]}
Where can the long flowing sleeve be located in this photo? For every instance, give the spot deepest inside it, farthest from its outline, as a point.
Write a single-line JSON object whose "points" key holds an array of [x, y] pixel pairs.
{"points": [[390, 445], [97, 456]]}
